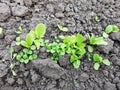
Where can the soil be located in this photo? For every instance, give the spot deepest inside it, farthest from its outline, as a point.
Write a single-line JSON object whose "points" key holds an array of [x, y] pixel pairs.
{"points": [[43, 73]]}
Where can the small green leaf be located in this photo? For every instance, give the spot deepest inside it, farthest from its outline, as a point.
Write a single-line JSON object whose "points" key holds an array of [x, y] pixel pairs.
{"points": [[26, 50], [29, 52], [18, 43], [14, 73], [111, 28], [105, 35], [96, 66], [18, 57], [65, 29], [115, 28], [90, 48], [34, 56], [97, 19], [37, 43], [97, 58], [29, 39], [40, 30], [73, 58], [106, 62], [30, 57], [76, 64], [18, 39], [33, 47], [25, 56], [24, 44]]}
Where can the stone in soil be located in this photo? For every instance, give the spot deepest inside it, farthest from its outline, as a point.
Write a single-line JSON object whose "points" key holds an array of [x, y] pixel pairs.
{"points": [[3, 70], [4, 12], [10, 81], [115, 36], [5, 55], [19, 10], [28, 2], [64, 61], [106, 48], [109, 86], [48, 68]]}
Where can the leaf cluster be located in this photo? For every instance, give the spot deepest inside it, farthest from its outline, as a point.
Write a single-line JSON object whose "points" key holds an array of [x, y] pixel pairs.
{"points": [[33, 38], [99, 60], [26, 55]]}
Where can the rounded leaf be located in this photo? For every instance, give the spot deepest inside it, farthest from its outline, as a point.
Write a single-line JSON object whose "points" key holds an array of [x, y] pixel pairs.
{"points": [[106, 62], [96, 66], [76, 64]]}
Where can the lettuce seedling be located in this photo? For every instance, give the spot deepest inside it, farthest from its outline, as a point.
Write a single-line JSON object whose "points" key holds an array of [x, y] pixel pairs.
{"points": [[65, 29], [76, 47], [97, 40], [99, 60], [34, 37], [111, 28], [28, 40]]}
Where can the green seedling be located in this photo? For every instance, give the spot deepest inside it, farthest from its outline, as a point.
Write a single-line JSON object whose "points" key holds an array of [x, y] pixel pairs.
{"points": [[56, 49], [26, 56], [97, 40], [111, 28], [18, 41], [12, 65], [20, 30], [28, 41], [99, 60], [61, 28], [97, 19], [34, 37], [13, 55], [76, 47]]}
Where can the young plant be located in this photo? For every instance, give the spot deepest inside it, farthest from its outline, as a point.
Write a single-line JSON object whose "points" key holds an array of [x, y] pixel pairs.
{"points": [[12, 65], [97, 40], [34, 37], [76, 47], [20, 30], [99, 60], [65, 29], [18, 41], [25, 56], [56, 49], [111, 28], [97, 19], [13, 55]]}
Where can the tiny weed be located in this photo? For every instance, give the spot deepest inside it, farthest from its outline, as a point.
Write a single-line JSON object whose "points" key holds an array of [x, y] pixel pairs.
{"points": [[20, 30], [111, 28], [99, 60], [61, 28]]}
